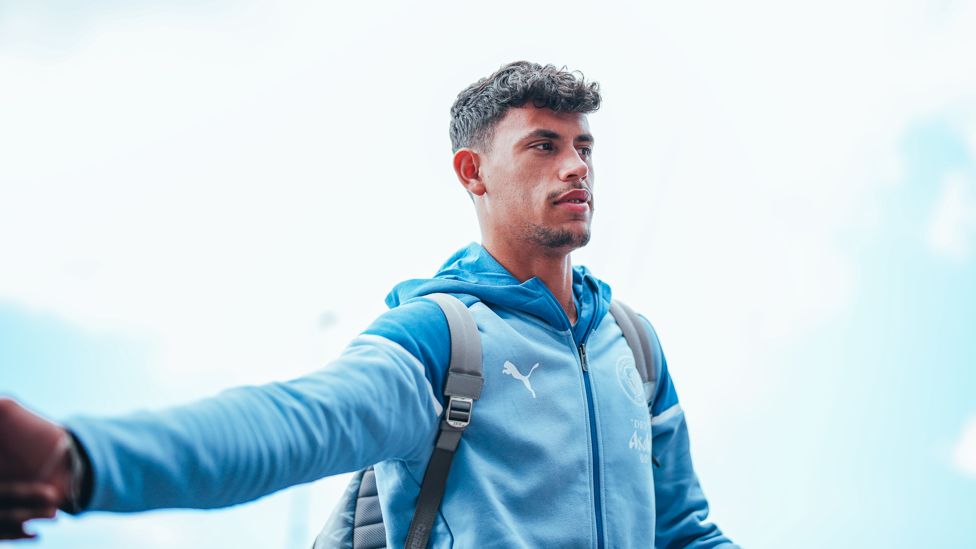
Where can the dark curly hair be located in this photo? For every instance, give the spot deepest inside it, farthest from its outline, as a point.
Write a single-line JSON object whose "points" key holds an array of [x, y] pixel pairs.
{"points": [[481, 105]]}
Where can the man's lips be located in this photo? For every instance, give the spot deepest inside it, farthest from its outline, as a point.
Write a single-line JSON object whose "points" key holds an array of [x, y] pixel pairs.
{"points": [[578, 196]]}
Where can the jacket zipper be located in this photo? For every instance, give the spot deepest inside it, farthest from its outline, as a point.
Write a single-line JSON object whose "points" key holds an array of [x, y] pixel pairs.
{"points": [[591, 414], [596, 450]]}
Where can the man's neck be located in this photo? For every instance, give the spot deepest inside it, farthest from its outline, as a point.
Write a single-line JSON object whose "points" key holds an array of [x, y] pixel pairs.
{"points": [[555, 270]]}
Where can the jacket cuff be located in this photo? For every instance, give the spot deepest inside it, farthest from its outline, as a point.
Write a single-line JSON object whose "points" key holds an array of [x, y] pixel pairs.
{"points": [[80, 490]]}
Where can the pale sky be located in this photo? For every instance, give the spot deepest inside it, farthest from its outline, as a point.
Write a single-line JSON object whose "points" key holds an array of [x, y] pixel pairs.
{"points": [[197, 196]]}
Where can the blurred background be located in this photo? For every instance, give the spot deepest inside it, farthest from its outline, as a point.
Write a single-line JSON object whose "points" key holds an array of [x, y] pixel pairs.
{"points": [[198, 195]]}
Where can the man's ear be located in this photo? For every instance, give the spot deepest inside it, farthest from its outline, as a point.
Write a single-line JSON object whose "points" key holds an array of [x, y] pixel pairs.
{"points": [[467, 166]]}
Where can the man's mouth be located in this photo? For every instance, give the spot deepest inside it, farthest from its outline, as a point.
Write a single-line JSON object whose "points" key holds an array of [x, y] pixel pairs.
{"points": [[577, 196]]}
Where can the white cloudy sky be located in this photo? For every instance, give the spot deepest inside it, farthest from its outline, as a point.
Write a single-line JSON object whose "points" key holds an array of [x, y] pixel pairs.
{"points": [[199, 195]]}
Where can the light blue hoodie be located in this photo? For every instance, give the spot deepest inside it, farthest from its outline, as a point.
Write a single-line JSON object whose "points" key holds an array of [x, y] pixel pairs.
{"points": [[556, 455]]}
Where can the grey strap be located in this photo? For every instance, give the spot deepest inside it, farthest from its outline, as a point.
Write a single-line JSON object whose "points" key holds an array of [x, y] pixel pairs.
{"points": [[369, 531], [465, 339], [640, 343], [339, 531], [463, 387]]}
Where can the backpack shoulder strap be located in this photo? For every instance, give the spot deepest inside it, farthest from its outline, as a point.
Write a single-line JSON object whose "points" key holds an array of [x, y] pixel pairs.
{"points": [[462, 388], [643, 344], [356, 512], [357, 522]]}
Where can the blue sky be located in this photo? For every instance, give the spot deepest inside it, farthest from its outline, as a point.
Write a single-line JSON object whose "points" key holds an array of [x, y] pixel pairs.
{"points": [[198, 196]]}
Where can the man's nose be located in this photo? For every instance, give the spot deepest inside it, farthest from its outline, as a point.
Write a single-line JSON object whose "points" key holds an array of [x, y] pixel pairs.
{"points": [[574, 167]]}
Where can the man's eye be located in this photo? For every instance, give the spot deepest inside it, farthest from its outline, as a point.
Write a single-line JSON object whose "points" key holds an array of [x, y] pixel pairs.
{"points": [[585, 152], [544, 146]]}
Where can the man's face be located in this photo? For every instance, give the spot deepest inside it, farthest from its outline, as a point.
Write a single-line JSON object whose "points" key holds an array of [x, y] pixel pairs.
{"points": [[538, 180]]}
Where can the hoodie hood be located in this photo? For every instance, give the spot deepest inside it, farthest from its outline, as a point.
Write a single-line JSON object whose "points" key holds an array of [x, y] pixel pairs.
{"points": [[472, 271]]}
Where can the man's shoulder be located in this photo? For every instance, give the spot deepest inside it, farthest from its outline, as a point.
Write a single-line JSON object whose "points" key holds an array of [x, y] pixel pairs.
{"points": [[420, 328]]}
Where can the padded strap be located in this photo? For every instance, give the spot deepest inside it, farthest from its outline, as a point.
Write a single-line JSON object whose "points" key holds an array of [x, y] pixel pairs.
{"points": [[368, 529], [337, 533], [465, 339], [463, 387], [635, 332]]}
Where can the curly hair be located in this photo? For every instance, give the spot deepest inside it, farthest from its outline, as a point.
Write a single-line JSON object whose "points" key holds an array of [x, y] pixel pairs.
{"points": [[480, 106]]}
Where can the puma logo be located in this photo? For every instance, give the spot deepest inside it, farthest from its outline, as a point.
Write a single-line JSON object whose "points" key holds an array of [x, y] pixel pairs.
{"points": [[513, 371]]}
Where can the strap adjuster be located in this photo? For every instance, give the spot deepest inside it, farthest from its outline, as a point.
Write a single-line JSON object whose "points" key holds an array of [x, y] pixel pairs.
{"points": [[458, 413]]}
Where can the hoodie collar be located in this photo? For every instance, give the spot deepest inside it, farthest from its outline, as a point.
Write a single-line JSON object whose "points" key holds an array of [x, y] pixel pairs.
{"points": [[473, 271]]}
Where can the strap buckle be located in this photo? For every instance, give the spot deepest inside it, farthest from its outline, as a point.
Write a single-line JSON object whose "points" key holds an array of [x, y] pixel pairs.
{"points": [[458, 413]]}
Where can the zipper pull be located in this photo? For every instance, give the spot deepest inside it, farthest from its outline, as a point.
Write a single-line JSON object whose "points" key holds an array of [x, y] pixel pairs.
{"points": [[582, 353]]}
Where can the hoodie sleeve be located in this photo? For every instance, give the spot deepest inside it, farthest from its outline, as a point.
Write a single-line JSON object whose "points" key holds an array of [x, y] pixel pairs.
{"points": [[682, 511], [374, 402]]}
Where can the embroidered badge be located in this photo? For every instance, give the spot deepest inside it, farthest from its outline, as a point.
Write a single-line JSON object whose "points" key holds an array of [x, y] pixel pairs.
{"points": [[630, 380]]}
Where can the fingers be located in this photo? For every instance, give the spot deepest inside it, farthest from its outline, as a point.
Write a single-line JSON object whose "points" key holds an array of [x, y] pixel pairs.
{"points": [[24, 501], [28, 494], [14, 530], [25, 514]]}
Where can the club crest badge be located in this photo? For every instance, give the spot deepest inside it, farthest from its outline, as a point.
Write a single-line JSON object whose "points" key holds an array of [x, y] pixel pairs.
{"points": [[630, 380]]}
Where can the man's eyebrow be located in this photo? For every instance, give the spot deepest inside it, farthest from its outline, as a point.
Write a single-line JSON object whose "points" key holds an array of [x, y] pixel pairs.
{"points": [[549, 134]]}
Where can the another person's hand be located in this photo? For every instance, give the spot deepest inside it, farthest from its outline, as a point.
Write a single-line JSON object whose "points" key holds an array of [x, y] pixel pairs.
{"points": [[35, 468]]}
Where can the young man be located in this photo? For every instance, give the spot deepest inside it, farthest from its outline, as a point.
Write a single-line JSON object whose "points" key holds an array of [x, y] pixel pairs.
{"points": [[558, 453]]}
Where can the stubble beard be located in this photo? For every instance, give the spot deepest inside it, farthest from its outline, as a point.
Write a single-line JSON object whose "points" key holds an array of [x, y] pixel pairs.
{"points": [[561, 239]]}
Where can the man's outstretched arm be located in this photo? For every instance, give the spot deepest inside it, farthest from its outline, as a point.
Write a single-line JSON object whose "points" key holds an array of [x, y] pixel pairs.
{"points": [[371, 404]]}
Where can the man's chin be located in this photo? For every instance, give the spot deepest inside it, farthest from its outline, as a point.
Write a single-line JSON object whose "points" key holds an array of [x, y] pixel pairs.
{"points": [[562, 240]]}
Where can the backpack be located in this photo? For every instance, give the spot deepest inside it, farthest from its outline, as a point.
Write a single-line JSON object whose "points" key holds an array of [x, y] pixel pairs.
{"points": [[357, 521]]}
